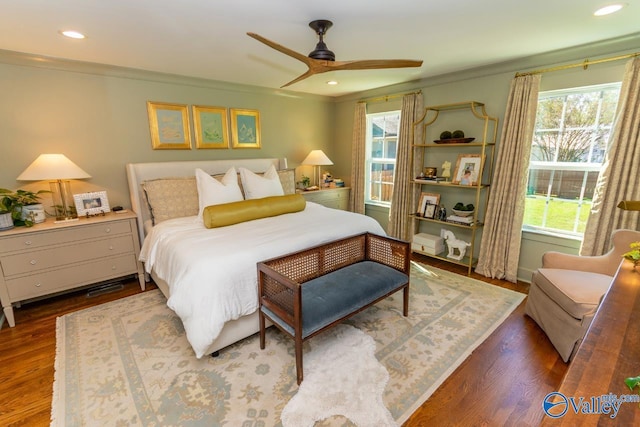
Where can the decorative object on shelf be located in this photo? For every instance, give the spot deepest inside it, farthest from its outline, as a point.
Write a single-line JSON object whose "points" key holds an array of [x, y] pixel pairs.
{"points": [[20, 207], [457, 248], [454, 141], [210, 125], [169, 126], [89, 204], [442, 213], [327, 179], [57, 167], [463, 210], [468, 169], [430, 172], [338, 182], [245, 128], [317, 158], [428, 205], [446, 170]]}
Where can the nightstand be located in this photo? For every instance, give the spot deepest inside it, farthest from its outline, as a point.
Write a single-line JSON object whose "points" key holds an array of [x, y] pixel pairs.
{"points": [[336, 198], [50, 258]]}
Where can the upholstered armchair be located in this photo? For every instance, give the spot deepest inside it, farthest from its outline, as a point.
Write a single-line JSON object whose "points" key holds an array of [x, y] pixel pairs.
{"points": [[567, 290]]}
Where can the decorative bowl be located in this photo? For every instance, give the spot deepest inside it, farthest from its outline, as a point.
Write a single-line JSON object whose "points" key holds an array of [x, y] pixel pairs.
{"points": [[463, 213]]}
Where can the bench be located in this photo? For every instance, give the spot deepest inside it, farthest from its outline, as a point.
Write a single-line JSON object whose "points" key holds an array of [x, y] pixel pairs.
{"points": [[307, 292]]}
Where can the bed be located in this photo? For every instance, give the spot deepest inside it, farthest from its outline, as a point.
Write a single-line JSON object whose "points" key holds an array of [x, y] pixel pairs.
{"points": [[209, 275]]}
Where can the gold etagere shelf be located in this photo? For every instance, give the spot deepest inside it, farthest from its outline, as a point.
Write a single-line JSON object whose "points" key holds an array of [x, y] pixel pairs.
{"points": [[483, 146]]}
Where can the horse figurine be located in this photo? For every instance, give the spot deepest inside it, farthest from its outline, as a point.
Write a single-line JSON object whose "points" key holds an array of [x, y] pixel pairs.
{"points": [[454, 243]]}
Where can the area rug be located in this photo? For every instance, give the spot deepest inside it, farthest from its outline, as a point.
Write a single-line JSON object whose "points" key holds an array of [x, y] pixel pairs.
{"points": [[128, 363]]}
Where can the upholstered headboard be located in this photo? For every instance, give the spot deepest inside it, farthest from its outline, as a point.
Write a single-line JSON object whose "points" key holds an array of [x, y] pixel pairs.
{"points": [[138, 173]]}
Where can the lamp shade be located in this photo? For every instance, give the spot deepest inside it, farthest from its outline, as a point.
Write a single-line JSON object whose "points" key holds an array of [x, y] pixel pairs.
{"points": [[317, 158], [52, 166]]}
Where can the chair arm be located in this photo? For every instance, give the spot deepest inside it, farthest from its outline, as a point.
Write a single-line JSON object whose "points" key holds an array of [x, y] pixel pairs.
{"points": [[594, 264]]}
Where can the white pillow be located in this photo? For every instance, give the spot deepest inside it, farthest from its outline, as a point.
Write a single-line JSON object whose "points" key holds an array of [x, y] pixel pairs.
{"points": [[257, 187], [213, 192]]}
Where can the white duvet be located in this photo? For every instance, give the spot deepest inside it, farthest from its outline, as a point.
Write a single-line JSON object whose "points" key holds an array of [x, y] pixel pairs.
{"points": [[212, 273]]}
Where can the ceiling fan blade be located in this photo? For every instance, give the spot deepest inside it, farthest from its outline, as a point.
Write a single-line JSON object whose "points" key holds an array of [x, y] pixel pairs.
{"points": [[372, 64], [309, 73], [280, 48]]}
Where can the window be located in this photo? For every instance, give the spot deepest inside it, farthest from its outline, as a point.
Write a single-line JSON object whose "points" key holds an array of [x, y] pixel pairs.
{"points": [[569, 143], [382, 143]]}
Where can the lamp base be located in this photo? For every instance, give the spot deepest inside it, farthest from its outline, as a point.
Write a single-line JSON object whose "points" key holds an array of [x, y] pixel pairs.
{"points": [[63, 201]]}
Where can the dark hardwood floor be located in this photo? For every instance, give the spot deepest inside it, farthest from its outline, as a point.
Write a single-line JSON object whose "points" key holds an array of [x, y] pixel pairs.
{"points": [[503, 382]]}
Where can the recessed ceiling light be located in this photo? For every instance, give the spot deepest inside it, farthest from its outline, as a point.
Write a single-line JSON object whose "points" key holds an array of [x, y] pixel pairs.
{"points": [[73, 34], [606, 10], [332, 82]]}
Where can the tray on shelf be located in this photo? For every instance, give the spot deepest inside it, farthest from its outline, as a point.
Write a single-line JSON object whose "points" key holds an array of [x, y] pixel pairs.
{"points": [[453, 141]]}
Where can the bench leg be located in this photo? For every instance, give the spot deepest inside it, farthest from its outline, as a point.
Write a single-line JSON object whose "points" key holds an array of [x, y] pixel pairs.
{"points": [[405, 305], [262, 329], [298, 341]]}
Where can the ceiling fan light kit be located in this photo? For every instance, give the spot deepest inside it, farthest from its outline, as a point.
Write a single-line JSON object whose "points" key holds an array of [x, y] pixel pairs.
{"points": [[322, 60]]}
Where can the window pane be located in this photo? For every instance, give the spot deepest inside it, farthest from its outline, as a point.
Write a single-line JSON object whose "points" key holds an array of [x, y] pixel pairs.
{"points": [[391, 149], [377, 148]]}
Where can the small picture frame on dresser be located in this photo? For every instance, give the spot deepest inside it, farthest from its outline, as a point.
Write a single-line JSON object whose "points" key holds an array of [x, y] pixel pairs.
{"points": [[95, 203]]}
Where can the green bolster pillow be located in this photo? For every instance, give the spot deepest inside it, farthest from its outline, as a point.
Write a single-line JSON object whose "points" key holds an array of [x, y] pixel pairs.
{"points": [[247, 210]]}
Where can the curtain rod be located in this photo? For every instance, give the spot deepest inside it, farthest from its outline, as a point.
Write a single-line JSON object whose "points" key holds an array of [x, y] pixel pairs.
{"points": [[385, 98], [584, 64]]}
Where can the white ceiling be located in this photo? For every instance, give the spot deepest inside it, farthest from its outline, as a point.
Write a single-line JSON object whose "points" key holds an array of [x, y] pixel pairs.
{"points": [[207, 38]]}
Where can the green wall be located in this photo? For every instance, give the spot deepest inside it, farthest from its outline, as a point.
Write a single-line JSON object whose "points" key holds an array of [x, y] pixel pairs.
{"points": [[97, 117]]}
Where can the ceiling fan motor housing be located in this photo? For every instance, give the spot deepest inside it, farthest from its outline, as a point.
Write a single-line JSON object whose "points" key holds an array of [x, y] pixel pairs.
{"points": [[321, 51]]}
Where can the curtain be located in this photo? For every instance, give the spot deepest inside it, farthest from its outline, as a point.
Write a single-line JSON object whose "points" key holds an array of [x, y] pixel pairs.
{"points": [[401, 205], [501, 238], [619, 178], [356, 199]]}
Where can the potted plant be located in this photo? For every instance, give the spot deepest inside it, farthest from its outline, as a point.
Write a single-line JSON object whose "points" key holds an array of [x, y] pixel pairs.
{"points": [[11, 205], [634, 254]]}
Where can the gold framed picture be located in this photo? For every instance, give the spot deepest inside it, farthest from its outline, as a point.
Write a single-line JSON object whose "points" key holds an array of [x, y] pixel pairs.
{"points": [[468, 169], [169, 126], [245, 128], [428, 205], [210, 126]]}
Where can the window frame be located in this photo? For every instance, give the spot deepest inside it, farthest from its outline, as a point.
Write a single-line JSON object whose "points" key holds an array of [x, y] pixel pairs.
{"points": [[369, 160], [554, 166]]}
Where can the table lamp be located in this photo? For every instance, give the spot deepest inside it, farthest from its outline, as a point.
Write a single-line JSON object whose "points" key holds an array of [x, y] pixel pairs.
{"points": [[57, 169], [317, 158]]}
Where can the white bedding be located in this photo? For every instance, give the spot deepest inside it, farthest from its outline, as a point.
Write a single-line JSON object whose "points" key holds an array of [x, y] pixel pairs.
{"points": [[212, 273]]}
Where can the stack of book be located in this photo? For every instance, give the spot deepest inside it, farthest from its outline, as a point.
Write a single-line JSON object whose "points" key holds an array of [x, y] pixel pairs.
{"points": [[464, 220]]}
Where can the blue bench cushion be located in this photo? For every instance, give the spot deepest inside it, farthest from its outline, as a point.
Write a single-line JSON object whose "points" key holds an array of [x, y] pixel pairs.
{"points": [[331, 297]]}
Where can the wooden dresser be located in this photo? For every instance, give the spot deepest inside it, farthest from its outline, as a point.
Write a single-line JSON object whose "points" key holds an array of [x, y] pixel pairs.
{"points": [[336, 198], [609, 353], [49, 258]]}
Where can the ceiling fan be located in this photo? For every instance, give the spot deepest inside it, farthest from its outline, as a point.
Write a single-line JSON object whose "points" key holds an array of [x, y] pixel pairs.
{"points": [[322, 59]]}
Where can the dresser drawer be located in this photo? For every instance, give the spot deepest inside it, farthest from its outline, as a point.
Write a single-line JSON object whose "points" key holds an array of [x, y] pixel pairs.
{"points": [[33, 261], [29, 241], [49, 282]]}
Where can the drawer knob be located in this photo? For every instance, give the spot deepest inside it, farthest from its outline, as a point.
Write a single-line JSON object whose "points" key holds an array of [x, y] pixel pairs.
{"points": [[38, 285], [110, 248], [33, 262], [107, 230], [113, 267], [28, 242]]}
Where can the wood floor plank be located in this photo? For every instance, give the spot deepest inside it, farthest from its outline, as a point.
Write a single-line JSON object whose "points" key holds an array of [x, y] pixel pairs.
{"points": [[501, 383]]}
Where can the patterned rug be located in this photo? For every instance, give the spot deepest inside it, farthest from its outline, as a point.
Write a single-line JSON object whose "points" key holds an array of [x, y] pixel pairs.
{"points": [[128, 363]]}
